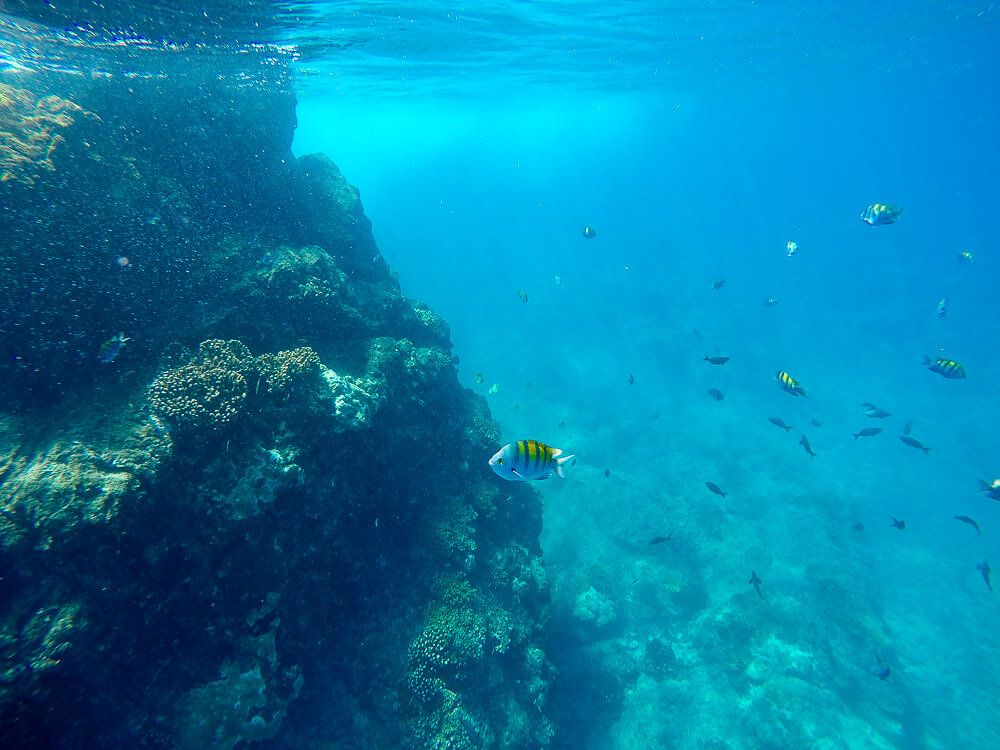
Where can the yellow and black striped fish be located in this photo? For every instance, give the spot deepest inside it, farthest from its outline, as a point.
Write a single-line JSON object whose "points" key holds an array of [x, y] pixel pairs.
{"points": [[528, 459], [948, 368], [789, 384]]}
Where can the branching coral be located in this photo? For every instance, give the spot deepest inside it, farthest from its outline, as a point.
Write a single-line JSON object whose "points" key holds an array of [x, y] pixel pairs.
{"points": [[198, 397], [282, 371], [29, 132]]}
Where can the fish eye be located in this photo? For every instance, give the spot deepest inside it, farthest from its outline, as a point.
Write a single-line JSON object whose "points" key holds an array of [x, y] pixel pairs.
{"points": [[500, 461]]}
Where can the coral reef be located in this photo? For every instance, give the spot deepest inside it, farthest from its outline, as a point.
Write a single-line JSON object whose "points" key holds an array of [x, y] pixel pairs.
{"points": [[243, 541], [31, 127]]}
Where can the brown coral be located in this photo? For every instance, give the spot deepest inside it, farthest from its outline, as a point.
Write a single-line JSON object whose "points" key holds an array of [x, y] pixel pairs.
{"points": [[198, 396], [280, 372], [29, 132]]}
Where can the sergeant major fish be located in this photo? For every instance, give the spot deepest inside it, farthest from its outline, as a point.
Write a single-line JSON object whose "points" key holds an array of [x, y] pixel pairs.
{"points": [[879, 214], [789, 384], [947, 368], [526, 460]]}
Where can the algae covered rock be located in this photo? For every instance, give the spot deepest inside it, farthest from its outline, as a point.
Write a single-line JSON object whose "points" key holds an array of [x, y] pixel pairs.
{"points": [[235, 542]]}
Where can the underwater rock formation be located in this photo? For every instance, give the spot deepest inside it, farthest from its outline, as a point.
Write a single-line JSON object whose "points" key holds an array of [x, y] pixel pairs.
{"points": [[267, 518]]}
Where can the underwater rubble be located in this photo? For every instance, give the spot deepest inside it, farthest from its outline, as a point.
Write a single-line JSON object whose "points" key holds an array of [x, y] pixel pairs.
{"points": [[263, 517]]}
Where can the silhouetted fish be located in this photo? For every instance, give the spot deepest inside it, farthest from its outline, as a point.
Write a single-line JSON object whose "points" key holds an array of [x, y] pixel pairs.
{"points": [[970, 521], [588, 232], [815, 423], [881, 670], [914, 443], [897, 524], [718, 284], [607, 473], [804, 442], [659, 539], [779, 422], [716, 360], [712, 486], [867, 432], [716, 394], [858, 526], [877, 413], [756, 582], [907, 428], [631, 379], [984, 568]]}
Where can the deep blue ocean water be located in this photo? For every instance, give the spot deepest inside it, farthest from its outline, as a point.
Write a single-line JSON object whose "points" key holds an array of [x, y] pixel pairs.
{"points": [[698, 139]]}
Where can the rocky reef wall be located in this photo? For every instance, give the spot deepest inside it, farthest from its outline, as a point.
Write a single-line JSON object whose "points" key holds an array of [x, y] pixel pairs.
{"points": [[261, 516]]}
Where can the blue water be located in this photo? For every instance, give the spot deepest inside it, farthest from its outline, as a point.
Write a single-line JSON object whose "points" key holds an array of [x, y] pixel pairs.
{"points": [[698, 139]]}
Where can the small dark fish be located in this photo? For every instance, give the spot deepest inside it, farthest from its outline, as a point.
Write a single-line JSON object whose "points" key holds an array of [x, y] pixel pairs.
{"points": [[770, 302], [712, 486], [815, 423], [607, 473], [515, 407], [970, 521], [966, 257], [588, 232], [914, 443], [897, 524], [660, 539], [877, 413], [522, 295], [631, 379], [716, 394], [804, 442], [562, 425], [779, 422], [756, 582], [480, 377], [942, 307], [655, 415], [881, 670], [858, 526], [984, 568], [868, 432], [718, 284], [716, 360], [456, 360], [907, 428], [868, 405]]}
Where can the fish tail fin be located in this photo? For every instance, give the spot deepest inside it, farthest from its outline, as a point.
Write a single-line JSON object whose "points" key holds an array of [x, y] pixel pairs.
{"points": [[927, 361], [802, 391], [562, 460], [983, 485]]}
